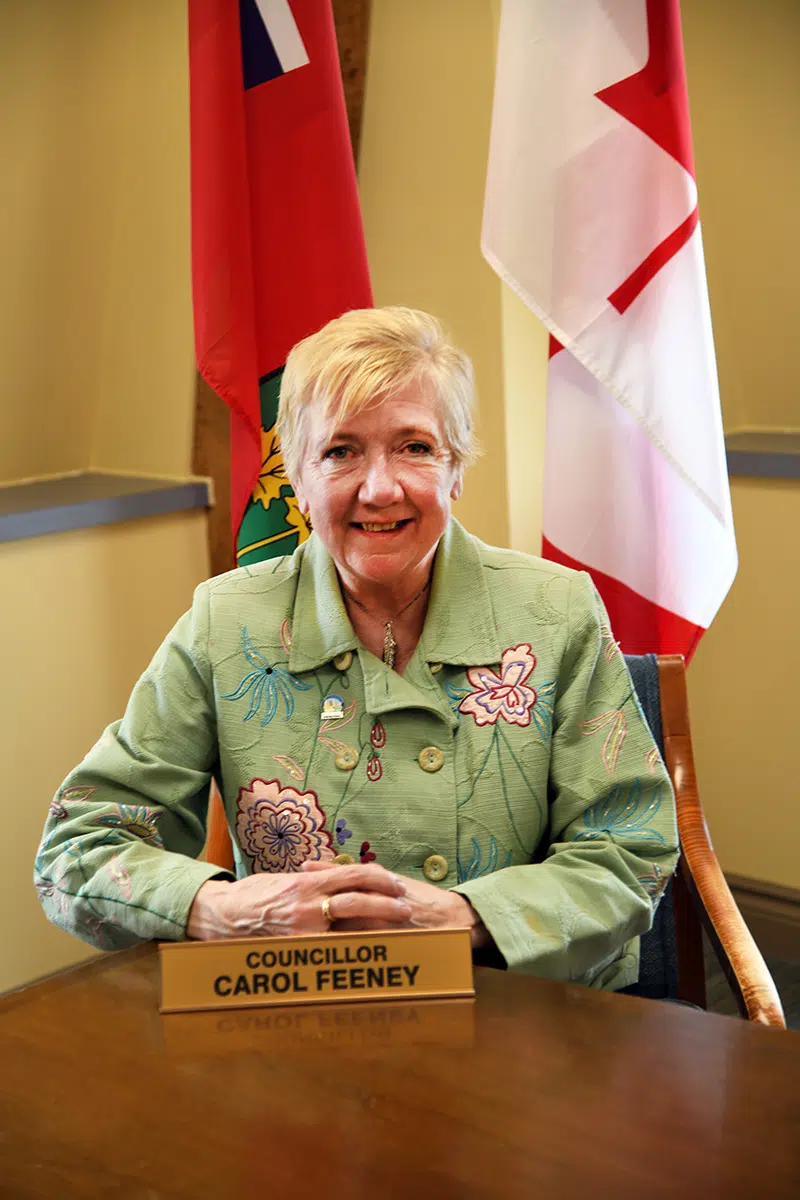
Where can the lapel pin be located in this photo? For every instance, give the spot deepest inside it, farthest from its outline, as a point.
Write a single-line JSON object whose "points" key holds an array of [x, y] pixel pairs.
{"points": [[332, 708]]}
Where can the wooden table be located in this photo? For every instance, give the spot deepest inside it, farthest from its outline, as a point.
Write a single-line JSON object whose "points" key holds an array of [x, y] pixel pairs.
{"points": [[535, 1089]]}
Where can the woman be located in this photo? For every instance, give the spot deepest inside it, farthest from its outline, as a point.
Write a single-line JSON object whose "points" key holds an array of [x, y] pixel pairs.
{"points": [[407, 726]]}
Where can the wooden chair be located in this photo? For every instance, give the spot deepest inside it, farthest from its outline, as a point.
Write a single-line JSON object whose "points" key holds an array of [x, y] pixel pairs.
{"points": [[697, 897], [219, 848]]}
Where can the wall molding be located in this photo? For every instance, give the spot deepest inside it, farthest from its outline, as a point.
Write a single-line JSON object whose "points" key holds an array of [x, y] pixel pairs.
{"points": [[772, 914], [81, 500], [764, 453]]}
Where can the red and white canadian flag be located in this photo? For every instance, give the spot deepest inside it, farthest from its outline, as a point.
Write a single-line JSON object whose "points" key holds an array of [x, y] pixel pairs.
{"points": [[591, 217]]}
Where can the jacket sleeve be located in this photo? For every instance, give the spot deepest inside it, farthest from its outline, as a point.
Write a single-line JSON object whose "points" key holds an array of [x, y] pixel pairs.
{"points": [[613, 839], [116, 864]]}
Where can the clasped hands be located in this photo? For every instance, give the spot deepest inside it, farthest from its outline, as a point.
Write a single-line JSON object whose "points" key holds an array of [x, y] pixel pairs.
{"points": [[361, 897]]}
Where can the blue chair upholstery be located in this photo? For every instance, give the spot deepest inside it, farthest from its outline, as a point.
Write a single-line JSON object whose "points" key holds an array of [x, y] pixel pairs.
{"points": [[658, 965]]}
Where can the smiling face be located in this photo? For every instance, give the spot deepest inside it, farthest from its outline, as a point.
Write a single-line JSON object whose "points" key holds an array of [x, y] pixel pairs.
{"points": [[378, 486]]}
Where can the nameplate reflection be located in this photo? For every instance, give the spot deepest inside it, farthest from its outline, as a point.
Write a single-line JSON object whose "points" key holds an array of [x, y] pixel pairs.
{"points": [[441, 1022]]}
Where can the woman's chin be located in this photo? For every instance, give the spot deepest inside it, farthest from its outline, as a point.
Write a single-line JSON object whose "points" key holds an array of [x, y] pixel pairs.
{"points": [[381, 570]]}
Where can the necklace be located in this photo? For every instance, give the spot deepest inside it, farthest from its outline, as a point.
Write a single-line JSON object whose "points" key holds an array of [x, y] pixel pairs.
{"points": [[389, 640]]}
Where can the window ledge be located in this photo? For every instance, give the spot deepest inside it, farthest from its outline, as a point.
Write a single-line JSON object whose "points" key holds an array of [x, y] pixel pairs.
{"points": [[88, 498]]}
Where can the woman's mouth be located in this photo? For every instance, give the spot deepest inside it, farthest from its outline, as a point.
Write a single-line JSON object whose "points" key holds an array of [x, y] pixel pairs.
{"points": [[381, 526]]}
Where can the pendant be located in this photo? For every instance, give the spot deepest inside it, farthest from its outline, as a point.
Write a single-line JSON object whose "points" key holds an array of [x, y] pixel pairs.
{"points": [[389, 646]]}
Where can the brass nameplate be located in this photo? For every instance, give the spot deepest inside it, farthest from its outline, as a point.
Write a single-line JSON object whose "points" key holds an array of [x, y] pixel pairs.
{"points": [[248, 972]]}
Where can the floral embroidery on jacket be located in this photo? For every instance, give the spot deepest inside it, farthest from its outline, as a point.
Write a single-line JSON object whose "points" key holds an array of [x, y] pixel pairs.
{"points": [[455, 696], [366, 855], [289, 764], [476, 866], [652, 759], [138, 821], [610, 647], [377, 738], [267, 682], [47, 890], [120, 876], [615, 717], [542, 711], [342, 832], [98, 927], [620, 814], [377, 734], [374, 768], [654, 882], [505, 695], [280, 828], [75, 794], [333, 744]]}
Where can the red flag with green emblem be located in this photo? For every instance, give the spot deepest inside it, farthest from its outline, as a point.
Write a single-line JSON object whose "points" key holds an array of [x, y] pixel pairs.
{"points": [[277, 242]]}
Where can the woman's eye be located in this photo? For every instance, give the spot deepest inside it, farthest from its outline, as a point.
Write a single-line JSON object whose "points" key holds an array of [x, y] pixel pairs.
{"points": [[418, 448], [337, 453]]}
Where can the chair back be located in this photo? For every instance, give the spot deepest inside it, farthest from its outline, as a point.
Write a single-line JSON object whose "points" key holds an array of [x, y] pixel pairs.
{"points": [[658, 963]]}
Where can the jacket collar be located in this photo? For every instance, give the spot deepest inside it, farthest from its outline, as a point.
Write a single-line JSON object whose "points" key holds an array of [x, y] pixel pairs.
{"points": [[459, 626], [320, 626]]}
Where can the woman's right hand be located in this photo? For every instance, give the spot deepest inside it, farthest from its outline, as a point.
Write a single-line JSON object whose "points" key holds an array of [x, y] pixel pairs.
{"points": [[267, 905]]}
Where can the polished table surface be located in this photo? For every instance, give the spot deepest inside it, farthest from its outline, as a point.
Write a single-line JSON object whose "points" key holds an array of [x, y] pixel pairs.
{"points": [[533, 1089]]}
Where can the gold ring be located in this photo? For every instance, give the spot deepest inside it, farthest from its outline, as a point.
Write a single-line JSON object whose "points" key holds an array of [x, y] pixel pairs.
{"points": [[326, 910]]}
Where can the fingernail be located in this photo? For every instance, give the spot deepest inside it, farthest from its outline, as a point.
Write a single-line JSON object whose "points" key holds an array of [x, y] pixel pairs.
{"points": [[400, 884]]}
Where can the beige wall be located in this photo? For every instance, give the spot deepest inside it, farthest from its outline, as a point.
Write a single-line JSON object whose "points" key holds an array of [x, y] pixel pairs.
{"points": [[50, 196], [83, 613], [743, 69], [422, 168], [145, 366], [525, 343], [744, 91], [95, 302], [743, 691], [744, 695], [96, 341]]}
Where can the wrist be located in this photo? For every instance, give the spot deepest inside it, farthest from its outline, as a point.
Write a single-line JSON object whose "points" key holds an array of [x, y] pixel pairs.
{"points": [[207, 918], [479, 934]]}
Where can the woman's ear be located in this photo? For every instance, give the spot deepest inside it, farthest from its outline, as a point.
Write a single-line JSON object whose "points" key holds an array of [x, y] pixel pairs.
{"points": [[458, 487]]}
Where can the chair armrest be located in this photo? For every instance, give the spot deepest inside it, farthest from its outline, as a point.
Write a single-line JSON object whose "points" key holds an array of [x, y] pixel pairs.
{"points": [[733, 943]]}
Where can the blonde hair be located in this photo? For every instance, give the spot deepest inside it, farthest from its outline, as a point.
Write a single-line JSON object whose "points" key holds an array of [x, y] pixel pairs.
{"points": [[366, 355]]}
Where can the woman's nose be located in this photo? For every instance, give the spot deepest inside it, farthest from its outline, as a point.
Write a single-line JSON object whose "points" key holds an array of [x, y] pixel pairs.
{"points": [[380, 485]]}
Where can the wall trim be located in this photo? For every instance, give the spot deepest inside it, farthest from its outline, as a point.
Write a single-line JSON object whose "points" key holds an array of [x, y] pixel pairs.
{"points": [[764, 453], [772, 914], [87, 498]]}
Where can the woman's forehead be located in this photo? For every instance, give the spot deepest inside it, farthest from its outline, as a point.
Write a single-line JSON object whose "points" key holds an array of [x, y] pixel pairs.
{"points": [[408, 409]]}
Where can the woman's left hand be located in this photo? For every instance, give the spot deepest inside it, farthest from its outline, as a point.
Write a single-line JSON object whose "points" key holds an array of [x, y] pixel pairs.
{"points": [[431, 908]]}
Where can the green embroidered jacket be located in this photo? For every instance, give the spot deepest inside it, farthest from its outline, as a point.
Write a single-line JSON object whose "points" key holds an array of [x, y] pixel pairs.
{"points": [[510, 761]]}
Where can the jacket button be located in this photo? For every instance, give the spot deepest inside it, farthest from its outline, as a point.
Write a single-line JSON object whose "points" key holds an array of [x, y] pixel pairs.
{"points": [[343, 860], [430, 759], [343, 662], [435, 867], [435, 668], [347, 759]]}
